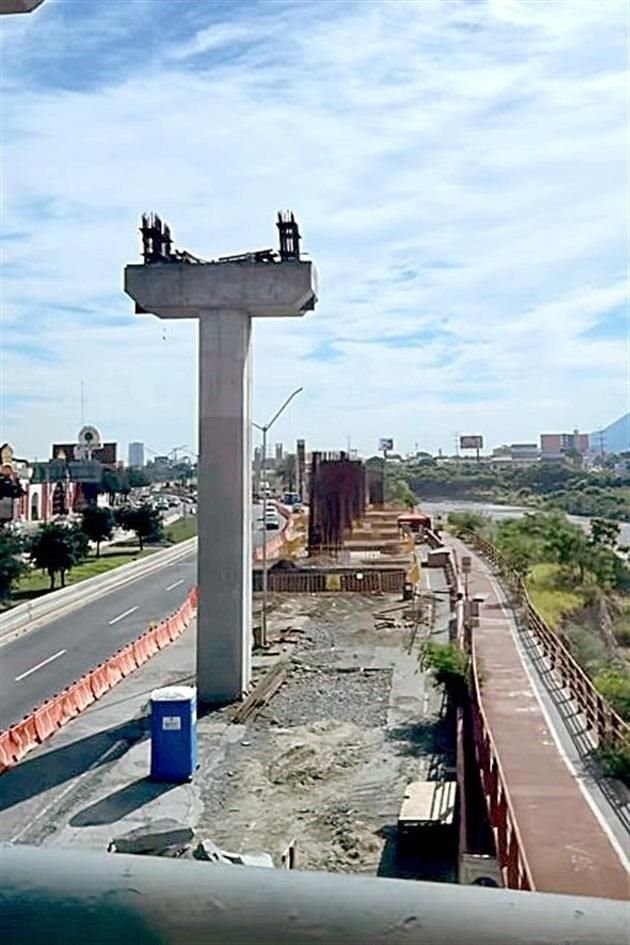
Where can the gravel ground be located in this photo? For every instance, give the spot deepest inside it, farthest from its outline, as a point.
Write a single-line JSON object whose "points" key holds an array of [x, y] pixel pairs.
{"points": [[320, 764], [327, 694]]}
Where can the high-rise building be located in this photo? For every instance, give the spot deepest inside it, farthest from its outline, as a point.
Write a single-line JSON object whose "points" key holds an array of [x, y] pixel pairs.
{"points": [[279, 452], [136, 455]]}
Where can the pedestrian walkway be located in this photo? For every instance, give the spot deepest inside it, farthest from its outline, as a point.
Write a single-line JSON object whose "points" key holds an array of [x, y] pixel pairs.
{"points": [[568, 846]]}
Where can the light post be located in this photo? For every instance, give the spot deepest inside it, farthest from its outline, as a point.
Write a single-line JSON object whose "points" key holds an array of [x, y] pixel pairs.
{"points": [[264, 430]]}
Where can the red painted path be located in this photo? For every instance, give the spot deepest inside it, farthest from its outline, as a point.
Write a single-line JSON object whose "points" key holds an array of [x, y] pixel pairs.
{"points": [[567, 848]]}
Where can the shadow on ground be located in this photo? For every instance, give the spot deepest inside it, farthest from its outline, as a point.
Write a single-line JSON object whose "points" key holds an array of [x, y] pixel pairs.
{"points": [[431, 860], [120, 803], [41, 772], [434, 740]]}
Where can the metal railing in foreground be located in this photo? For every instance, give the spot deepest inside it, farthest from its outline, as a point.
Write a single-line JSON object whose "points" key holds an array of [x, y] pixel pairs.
{"points": [[69, 897]]}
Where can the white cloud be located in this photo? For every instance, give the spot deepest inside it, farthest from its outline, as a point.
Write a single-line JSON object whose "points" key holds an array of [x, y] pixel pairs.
{"points": [[481, 147]]}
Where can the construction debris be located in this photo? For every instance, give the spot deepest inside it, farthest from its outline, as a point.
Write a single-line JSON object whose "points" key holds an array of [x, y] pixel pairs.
{"points": [[262, 692], [161, 838]]}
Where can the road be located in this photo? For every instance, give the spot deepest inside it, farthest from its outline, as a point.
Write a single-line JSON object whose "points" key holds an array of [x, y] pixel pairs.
{"points": [[37, 665]]}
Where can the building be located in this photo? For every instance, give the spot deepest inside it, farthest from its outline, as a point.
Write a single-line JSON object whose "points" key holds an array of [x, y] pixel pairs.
{"points": [[524, 452], [15, 475], [615, 438], [555, 446], [279, 453], [136, 455], [105, 454]]}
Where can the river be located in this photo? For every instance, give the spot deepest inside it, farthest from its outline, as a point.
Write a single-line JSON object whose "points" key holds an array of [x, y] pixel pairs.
{"points": [[497, 512]]}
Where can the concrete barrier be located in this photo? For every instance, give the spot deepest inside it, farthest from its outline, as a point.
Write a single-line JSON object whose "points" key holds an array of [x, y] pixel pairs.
{"points": [[28, 616]]}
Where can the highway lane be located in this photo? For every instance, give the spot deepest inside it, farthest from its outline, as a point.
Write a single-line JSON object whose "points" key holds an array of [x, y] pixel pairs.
{"points": [[37, 665]]}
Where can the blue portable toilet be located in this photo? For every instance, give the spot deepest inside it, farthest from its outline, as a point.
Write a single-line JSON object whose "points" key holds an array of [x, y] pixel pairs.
{"points": [[173, 733]]}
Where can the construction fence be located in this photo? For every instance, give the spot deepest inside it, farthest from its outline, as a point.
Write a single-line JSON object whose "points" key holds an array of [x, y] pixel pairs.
{"points": [[319, 581]]}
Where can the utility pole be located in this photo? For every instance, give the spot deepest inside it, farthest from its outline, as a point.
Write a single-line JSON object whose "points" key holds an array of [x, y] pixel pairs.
{"points": [[265, 582]]}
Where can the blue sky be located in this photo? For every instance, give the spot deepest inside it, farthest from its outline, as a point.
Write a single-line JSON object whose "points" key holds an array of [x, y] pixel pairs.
{"points": [[459, 170]]}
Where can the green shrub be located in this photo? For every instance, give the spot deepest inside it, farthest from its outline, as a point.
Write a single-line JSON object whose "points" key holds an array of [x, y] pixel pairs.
{"points": [[449, 665], [614, 686], [615, 760], [460, 522]]}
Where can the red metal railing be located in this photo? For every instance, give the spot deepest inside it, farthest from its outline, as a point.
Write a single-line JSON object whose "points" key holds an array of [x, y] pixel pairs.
{"points": [[600, 718], [509, 845]]}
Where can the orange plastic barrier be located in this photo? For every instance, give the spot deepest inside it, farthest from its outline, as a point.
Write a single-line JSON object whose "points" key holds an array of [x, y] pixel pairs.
{"points": [[18, 743], [162, 634], [83, 694], [151, 636], [113, 671], [140, 650], [47, 718], [69, 702], [173, 632], [7, 755], [24, 735], [99, 682], [126, 660]]}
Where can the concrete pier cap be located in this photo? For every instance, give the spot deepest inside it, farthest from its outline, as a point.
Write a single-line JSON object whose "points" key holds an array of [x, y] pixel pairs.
{"points": [[224, 295], [193, 290]]}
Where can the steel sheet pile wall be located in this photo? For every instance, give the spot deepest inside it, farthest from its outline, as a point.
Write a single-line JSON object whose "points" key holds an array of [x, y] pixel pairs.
{"points": [[376, 492], [337, 500]]}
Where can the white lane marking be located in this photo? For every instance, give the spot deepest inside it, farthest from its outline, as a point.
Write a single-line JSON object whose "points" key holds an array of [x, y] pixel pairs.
{"points": [[126, 614], [623, 859], [176, 584], [34, 669]]}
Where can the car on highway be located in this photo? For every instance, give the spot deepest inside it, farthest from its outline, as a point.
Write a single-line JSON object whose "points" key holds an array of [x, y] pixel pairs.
{"points": [[271, 519]]}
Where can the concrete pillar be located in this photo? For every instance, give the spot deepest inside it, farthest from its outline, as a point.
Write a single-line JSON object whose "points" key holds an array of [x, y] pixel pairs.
{"points": [[225, 535], [224, 296]]}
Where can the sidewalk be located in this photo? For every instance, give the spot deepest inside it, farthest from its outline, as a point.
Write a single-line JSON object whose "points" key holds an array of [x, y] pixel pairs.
{"points": [[570, 848]]}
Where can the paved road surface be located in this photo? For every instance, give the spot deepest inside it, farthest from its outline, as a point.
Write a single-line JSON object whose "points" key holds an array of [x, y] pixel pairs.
{"points": [[40, 664]]}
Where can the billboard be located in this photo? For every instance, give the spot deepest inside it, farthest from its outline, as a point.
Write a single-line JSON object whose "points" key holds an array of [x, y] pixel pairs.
{"points": [[385, 444], [471, 442]]}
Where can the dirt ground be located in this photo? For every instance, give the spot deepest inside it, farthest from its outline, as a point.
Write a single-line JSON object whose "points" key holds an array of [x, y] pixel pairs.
{"points": [[325, 764]]}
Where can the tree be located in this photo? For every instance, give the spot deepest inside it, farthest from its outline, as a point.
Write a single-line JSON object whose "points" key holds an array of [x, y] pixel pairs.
{"points": [[11, 564], [115, 482], [400, 493], [144, 520], [137, 478], [564, 543], [461, 522], [56, 548], [604, 533], [98, 525]]}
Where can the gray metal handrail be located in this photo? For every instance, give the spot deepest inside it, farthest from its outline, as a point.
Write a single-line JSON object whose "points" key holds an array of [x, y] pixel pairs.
{"points": [[51, 896]]}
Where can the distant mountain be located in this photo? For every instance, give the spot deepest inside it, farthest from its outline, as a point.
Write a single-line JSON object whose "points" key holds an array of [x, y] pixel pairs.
{"points": [[615, 438]]}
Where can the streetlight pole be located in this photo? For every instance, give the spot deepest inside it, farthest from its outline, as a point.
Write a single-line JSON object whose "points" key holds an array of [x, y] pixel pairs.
{"points": [[264, 430]]}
